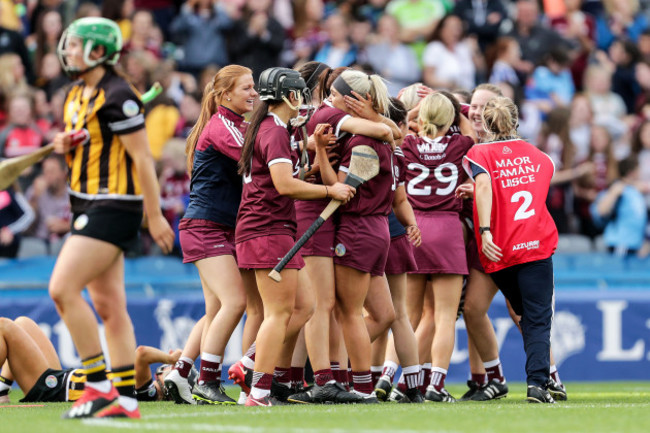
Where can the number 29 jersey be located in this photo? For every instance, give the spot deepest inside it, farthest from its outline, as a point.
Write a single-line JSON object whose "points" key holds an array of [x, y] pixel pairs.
{"points": [[520, 175], [434, 170]]}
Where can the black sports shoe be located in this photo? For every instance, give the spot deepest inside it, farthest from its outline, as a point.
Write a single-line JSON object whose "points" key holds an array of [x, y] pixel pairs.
{"points": [[279, 391], [383, 387], [492, 390], [366, 399], [473, 387], [537, 394], [396, 395], [331, 392], [210, 393], [436, 396], [557, 391], [412, 395]]}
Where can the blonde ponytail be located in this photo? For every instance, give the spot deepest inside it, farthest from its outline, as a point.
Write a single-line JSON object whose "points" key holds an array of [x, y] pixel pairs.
{"points": [[374, 85], [436, 114], [500, 118]]}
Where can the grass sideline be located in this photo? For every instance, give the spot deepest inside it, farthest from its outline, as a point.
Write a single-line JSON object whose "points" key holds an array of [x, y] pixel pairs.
{"points": [[592, 407]]}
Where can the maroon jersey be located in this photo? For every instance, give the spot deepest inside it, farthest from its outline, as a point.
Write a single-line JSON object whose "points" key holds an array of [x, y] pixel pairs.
{"points": [[520, 222], [374, 197], [434, 170], [263, 211]]}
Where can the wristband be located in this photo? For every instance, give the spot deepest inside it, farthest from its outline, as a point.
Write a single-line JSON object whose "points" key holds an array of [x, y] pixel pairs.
{"points": [[327, 193], [482, 230]]}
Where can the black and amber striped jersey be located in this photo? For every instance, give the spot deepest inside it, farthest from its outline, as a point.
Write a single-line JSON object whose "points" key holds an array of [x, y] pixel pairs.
{"points": [[101, 171]]}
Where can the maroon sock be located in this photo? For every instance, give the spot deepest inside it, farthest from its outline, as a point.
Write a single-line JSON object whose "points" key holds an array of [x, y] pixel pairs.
{"points": [[495, 373], [426, 379], [297, 376], [412, 380], [341, 376], [183, 368], [479, 379], [390, 371], [209, 371], [375, 377], [321, 377], [362, 381], [438, 380], [251, 352], [262, 380], [282, 376], [401, 384]]}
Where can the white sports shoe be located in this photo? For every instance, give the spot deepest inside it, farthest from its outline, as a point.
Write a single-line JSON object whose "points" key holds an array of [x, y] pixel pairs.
{"points": [[242, 398], [179, 388]]}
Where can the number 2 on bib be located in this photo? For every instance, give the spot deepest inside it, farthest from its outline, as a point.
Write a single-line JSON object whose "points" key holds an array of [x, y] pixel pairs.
{"points": [[523, 212]]}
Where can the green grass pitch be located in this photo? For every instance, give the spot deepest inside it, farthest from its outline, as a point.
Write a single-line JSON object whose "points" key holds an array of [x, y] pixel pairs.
{"points": [[592, 407]]}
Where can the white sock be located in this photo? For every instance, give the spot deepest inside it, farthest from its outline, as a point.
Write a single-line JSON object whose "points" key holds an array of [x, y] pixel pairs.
{"points": [[101, 386], [211, 357], [128, 403], [248, 363], [258, 393]]}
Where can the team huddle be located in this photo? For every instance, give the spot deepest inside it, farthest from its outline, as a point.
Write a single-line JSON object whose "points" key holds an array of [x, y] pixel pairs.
{"points": [[455, 213]]}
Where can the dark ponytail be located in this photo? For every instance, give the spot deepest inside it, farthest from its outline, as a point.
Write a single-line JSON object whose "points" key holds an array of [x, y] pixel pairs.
{"points": [[259, 114]]}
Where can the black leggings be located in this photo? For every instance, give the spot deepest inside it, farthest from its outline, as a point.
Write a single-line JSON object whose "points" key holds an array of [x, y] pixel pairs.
{"points": [[529, 288]]}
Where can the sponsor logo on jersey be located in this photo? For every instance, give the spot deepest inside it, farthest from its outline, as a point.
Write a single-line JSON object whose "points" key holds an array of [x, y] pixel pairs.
{"points": [[530, 245], [339, 250], [130, 108], [432, 147], [506, 149], [51, 381]]}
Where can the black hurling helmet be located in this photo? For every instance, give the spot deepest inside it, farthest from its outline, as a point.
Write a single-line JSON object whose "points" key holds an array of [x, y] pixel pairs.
{"points": [[275, 84]]}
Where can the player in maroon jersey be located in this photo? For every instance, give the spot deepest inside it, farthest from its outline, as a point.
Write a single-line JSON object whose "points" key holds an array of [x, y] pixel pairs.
{"points": [[515, 232], [266, 222], [433, 171]]}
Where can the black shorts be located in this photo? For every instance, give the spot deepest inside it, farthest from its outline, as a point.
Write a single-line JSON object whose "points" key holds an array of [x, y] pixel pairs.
{"points": [[50, 387], [116, 226]]}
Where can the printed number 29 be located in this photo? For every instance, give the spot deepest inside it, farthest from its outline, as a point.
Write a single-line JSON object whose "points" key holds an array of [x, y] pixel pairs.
{"points": [[451, 180], [523, 212]]}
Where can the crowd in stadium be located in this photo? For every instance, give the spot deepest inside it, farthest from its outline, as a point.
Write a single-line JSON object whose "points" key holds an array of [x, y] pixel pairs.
{"points": [[579, 72]]}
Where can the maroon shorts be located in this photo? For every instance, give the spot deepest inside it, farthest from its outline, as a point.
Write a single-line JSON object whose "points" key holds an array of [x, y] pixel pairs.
{"points": [[443, 247], [264, 252], [201, 239], [322, 242], [473, 261], [400, 256], [362, 243]]}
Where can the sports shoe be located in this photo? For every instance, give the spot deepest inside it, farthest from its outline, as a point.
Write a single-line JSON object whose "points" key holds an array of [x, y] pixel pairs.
{"points": [[473, 387], [267, 400], [557, 391], [242, 398], [436, 396], [492, 390], [211, 393], [241, 376], [396, 395], [178, 388], [383, 387], [366, 398], [537, 394], [331, 392], [115, 410], [280, 391], [91, 402], [413, 395]]}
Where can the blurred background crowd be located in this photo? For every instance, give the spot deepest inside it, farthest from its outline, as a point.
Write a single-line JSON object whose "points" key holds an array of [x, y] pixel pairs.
{"points": [[579, 70]]}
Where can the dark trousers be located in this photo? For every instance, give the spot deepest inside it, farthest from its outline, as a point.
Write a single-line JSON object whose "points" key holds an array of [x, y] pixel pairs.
{"points": [[529, 288]]}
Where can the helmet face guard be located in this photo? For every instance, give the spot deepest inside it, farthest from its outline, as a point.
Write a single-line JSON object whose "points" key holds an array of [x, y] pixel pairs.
{"points": [[276, 84], [92, 32]]}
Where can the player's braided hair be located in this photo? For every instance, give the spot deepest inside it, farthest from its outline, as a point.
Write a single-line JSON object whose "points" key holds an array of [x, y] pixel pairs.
{"points": [[500, 117], [213, 96]]}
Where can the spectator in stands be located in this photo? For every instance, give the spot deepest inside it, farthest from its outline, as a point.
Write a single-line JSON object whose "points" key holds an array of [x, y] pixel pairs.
{"points": [[483, 18], [551, 84], [257, 38], [534, 38], [120, 11], [48, 197], [502, 61], [141, 35], [306, 37], [87, 9], [624, 56], [12, 74], [390, 58], [644, 45], [139, 65], [46, 37], [15, 217], [622, 211], [373, 10], [579, 29], [417, 19], [200, 30], [50, 76], [608, 107], [580, 125], [641, 149], [621, 19], [163, 11], [174, 186], [361, 35], [449, 59], [338, 50], [12, 42]]}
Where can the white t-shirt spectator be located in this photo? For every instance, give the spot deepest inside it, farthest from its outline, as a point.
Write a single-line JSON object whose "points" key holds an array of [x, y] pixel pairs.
{"points": [[456, 66]]}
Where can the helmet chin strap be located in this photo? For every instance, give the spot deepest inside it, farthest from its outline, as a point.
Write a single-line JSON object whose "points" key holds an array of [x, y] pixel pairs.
{"points": [[293, 107]]}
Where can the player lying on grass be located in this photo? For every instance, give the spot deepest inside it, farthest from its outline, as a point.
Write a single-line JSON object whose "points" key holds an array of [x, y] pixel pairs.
{"points": [[28, 357]]}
